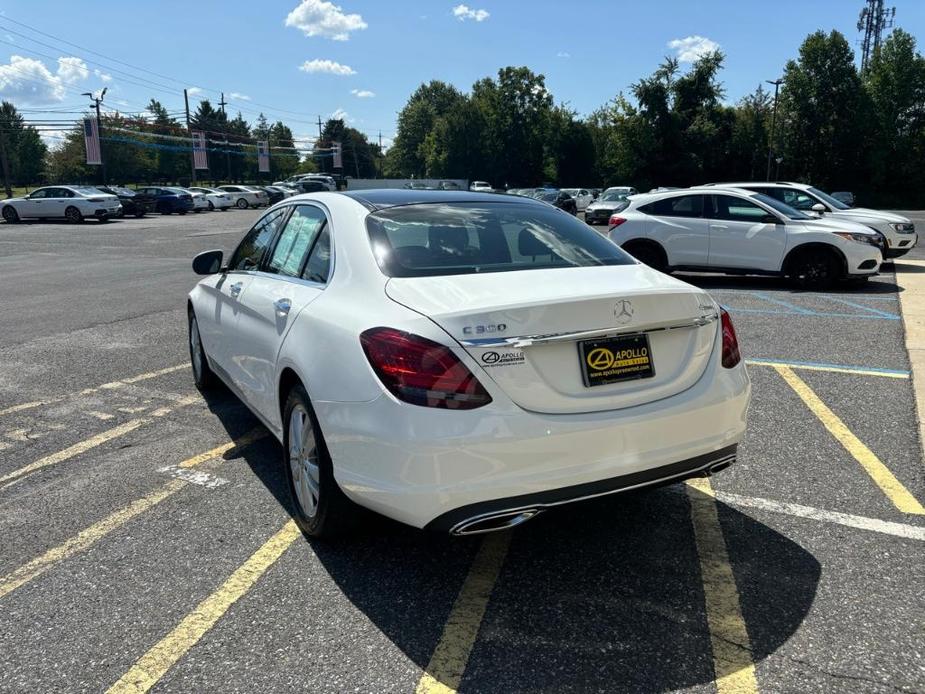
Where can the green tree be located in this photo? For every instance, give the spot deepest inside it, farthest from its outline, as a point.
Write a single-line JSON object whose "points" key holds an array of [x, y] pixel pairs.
{"points": [[24, 147], [429, 102]]}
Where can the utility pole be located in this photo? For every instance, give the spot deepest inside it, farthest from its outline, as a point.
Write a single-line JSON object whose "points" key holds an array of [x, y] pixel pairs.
{"points": [[874, 18], [772, 139], [318, 144], [222, 104], [380, 154], [5, 161], [97, 100], [190, 133]]}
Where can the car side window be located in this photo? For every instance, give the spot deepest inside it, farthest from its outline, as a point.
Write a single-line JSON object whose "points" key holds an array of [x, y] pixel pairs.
{"points": [[295, 240], [38, 194], [250, 251], [318, 268], [737, 209], [680, 206]]}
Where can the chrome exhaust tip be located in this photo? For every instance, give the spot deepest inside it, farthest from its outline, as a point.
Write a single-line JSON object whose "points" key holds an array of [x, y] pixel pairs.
{"points": [[494, 522]]}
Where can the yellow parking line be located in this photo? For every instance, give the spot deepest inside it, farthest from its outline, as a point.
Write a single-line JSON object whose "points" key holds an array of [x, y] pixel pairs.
{"points": [[448, 662], [733, 665], [89, 536], [87, 391], [94, 441], [148, 669], [879, 473]]}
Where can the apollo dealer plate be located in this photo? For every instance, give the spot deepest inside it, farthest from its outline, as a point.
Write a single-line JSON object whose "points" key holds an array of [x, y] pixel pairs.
{"points": [[614, 359]]}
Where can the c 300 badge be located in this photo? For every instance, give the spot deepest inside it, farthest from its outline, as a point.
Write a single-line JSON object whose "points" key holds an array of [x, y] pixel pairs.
{"points": [[623, 311]]}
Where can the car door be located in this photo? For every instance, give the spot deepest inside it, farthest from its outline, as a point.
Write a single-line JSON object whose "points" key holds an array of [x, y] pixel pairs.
{"points": [[744, 235], [286, 283], [677, 224], [217, 313], [33, 204]]}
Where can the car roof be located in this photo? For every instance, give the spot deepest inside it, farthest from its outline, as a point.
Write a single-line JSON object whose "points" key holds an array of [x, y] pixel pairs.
{"points": [[380, 198], [767, 184]]}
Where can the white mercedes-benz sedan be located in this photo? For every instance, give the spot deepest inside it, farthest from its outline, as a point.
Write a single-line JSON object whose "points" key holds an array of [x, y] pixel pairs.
{"points": [[462, 361]]}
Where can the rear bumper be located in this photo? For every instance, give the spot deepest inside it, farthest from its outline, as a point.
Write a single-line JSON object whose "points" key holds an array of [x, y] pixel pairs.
{"points": [[428, 467]]}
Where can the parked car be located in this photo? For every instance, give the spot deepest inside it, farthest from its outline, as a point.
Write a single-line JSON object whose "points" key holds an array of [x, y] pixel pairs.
{"points": [[417, 185], [448, 185], [133, 203], [216, 199], [610, 201], [73, 203], [169, 200], [481, 187], [200, 201], [274, 195], [560, 199], [309, 186], [898, 230], [406, 379], [581, 196], [844, 196], [285, 191], [244, 197], [737, 231], [629, 190]]}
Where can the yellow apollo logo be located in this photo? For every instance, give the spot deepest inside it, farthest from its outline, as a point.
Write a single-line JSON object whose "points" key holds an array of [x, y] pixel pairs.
{"points": [[600, 358]]}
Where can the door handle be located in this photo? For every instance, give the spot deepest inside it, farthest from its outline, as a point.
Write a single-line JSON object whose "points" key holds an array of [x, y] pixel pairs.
{"points": [[282, 306], [235, 289]]}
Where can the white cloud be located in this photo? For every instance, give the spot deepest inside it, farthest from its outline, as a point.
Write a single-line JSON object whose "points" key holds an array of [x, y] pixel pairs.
{"points": [[563, 54], [326, 66], [325, 19], [28, 81], [102, 75], [464, 12], [341, 114], [690, 48], [193, 91], [71, 70], [239, 96], [362, 93]]}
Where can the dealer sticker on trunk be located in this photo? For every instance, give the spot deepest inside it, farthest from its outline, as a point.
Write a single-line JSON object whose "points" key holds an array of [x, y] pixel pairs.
{"points": [[614, 359]]}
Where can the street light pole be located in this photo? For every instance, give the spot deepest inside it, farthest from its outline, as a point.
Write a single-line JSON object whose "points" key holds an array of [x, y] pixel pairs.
{"points": [[772, 139], [97, 100]]}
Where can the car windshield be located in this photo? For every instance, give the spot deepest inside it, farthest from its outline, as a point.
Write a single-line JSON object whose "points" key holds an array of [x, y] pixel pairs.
{"points": [[613, 196], [548, 197], [783, 208], [829, 200], [426, 240]]}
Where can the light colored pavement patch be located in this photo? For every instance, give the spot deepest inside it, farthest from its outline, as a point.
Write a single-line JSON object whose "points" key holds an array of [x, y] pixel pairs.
{"points": [[910, 275]]}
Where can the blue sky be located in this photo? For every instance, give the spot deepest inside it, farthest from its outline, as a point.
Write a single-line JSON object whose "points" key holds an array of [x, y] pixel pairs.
{"points": [[362, 58]]}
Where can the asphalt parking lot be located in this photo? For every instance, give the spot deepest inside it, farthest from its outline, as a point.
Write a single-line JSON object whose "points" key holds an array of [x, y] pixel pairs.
{"points": [[146, 541]]}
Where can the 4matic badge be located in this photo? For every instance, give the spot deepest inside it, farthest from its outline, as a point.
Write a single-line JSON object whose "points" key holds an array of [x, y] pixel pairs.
{"points": [[490, 359]]}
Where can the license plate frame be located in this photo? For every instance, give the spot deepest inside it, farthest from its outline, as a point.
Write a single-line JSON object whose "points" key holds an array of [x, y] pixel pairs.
{"points": [[609, 360]]}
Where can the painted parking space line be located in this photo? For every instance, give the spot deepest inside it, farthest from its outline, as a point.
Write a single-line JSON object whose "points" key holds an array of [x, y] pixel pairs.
{"points": [[94, 441], [87, 391], [786, 304], [448, 662], [733, 665], [154, 664], [904, 530], [814, 314], [854, 304], [894, 490], [89, 536], [836, 368]]}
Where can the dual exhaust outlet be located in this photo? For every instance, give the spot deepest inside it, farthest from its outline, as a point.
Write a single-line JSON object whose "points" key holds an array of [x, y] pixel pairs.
{"points": [[502, 520]]}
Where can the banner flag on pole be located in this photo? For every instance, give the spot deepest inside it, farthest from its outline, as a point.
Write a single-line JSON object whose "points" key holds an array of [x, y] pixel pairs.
{"points": [[92, 141], [338, 159], [200, 161], [263, 156]]}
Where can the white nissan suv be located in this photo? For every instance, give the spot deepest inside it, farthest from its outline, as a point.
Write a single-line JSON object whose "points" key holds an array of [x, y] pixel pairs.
{"points": [[737, 231], [899, 231]]}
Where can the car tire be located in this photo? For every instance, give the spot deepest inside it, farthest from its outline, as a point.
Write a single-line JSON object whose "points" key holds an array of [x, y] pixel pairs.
{"points": [[10, 215], [203, 376], [814, 268], [139, 214], [182, 212], [211, 206], [241, 204], [649, 254], [319, 507], [73, 215]]}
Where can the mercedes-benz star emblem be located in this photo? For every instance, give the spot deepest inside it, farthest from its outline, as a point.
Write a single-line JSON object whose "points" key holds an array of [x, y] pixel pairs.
{"points": [[623, 312]]}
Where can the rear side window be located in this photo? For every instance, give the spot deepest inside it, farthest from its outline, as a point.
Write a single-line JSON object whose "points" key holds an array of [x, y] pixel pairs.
{"points": [[318, 267], [294, 241], [681, 206], [466, 238], [250, 251]]}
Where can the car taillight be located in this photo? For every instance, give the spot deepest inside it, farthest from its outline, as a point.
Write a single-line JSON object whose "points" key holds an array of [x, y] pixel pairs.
{"points": [[615, 221], [422, 372], [731, 355]]}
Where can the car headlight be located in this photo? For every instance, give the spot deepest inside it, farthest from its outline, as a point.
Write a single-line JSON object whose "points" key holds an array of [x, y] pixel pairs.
{"points": [[869, 239], [902, 227]]}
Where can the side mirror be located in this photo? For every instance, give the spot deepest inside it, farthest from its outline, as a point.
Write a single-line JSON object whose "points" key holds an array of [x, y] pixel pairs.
{"points": [[207, 263], [818, 207]]}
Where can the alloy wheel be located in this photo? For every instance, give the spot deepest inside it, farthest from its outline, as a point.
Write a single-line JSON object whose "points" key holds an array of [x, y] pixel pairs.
{"points": [[195, 348], [303, 461]]}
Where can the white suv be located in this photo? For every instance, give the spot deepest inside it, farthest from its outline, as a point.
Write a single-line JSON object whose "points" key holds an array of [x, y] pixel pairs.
{"points": [[899, 231], [737, 231]]}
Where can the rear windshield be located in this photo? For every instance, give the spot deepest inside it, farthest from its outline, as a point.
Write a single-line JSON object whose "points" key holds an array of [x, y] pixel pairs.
{"points": [[426, 240]]}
